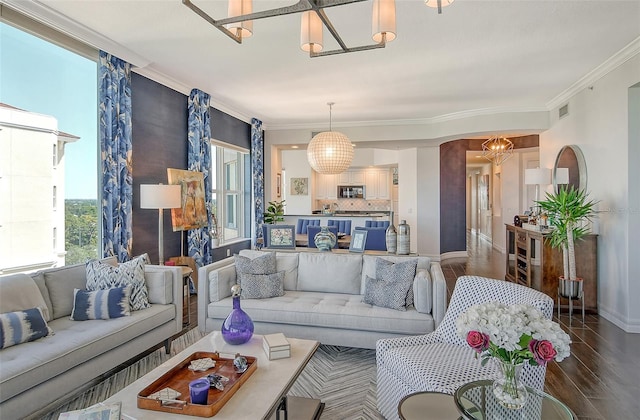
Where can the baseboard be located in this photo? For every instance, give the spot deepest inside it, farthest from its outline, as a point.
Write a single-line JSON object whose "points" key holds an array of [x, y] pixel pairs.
{"points": [[630, 326], [453, 256]]}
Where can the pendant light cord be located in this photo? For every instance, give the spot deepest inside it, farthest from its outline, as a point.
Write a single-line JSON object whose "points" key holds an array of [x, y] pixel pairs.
{"points": [[330, 107]]}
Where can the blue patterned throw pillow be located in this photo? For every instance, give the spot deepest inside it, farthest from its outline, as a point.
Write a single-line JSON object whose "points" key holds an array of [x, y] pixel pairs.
{"points": [[402, 273], [102, 275], [22, 326], [384, 294], [100, 304], [262, 286]]}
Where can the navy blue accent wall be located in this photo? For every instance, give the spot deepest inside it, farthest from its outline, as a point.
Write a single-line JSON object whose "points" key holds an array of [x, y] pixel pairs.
{"points": [[453, 229], [159, 131]]}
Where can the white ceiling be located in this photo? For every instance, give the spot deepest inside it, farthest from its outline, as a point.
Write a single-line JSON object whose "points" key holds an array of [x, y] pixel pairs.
{"points": [[476, 55]]}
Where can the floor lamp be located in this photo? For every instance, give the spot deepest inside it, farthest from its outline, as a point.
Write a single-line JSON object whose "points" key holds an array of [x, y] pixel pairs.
{"points": [[159, 196]]}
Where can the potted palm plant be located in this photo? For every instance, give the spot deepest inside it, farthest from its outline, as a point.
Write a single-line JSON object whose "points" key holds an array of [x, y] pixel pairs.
{"points": [[568, 210]]}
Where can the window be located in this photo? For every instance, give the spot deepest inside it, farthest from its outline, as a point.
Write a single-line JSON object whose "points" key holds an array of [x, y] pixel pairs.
{"points": [[228, 165], [48, 96]]}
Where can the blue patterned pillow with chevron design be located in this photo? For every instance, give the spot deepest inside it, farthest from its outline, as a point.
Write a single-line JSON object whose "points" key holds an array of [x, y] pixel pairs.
{"points": [[101, 275], [22, 326], [100, 304]]}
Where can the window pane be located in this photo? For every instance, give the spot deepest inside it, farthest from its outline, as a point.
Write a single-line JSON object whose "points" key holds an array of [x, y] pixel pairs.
{"points": [[55, 92], [232, 217], [231, 169]]}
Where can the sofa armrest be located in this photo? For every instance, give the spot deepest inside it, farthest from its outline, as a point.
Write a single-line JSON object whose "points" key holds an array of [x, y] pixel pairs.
{"points": [[385, 344], [204, 295], [422, 291], [165, 286], [439, 306]]}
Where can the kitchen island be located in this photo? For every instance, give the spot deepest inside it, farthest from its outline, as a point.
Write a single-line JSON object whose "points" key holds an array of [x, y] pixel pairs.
{"points": [[357, 218]]}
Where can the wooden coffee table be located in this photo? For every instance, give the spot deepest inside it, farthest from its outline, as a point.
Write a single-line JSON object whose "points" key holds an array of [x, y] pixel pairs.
{"points": [[260, 397]]}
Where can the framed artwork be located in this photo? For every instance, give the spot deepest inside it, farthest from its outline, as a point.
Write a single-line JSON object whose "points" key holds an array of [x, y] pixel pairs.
{"points": [[281, 236], [193, 212], [483, 192], [299, 186], [278, 185], [358, 239]]}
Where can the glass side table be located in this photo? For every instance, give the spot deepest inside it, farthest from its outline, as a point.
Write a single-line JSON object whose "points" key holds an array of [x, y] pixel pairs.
{"points": [[431, 405], [475, 401]]}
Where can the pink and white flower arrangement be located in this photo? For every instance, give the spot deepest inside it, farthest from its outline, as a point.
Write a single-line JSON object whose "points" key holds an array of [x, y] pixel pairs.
{"points": [[513, 333]]}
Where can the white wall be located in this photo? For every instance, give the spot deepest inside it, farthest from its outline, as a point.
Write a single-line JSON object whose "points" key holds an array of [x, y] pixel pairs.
{"points": [[599, 123], [427, 194], [295, 165], [407, 197]]}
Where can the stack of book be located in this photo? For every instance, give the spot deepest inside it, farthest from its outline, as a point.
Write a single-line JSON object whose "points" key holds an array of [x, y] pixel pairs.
{"points": [[276, 346]]}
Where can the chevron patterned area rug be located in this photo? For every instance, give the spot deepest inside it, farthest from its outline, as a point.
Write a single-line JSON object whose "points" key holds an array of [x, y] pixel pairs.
{"points": [[343, 378]]}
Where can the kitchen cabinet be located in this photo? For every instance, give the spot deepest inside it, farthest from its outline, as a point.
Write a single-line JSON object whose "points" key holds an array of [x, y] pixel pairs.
{"points": [[377, 182], [327, 187], [352, 177]]}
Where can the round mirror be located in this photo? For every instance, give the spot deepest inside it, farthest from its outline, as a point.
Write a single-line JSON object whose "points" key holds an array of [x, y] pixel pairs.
{"points": [[570, 169]]}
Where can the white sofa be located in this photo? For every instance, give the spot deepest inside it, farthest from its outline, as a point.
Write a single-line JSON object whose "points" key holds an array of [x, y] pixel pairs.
{"points": [[323, 299], [36, 374]]}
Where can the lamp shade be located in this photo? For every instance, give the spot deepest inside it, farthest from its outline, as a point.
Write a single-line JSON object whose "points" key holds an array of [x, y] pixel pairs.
{"points": [[384, 20], [311, 32], [239, 8], [537, 176], [159, 196], [562, 176], [434, 3], [330, 152]]}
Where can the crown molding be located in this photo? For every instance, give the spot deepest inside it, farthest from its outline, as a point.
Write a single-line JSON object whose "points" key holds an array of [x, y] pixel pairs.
{"points": [[625, 54], [56, 20], [454, 116]]}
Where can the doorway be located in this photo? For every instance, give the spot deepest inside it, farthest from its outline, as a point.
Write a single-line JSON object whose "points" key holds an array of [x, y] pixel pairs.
{"points": [[479, 196]]}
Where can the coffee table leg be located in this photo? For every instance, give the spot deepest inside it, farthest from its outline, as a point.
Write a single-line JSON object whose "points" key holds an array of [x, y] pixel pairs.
{"points": [[282, 408]]}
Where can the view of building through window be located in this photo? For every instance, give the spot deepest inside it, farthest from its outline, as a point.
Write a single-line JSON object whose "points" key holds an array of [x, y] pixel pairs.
{"points": [[48, 134]]}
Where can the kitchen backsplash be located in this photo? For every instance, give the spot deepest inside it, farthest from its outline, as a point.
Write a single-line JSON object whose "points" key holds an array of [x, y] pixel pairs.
{"points": [[355, 204]]}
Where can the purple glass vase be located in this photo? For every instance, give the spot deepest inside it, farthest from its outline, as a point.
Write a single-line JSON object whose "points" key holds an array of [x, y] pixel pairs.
{"points": [[238, 327]]}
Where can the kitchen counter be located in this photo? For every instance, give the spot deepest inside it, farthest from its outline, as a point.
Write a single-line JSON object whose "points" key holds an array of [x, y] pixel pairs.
{"points": [[344, 214]]}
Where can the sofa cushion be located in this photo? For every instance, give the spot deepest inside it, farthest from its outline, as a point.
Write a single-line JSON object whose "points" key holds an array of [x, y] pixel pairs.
{"points": [[19, 292], [73, 343], [401, 272], [22, 326], [285, 261], [263, 264], [423, 291], [369, 265], [330, 310], [102, 275], [60, 283], [39, 279], [159, 284], [101, 304], [221, 281], [262, 286], [328, 272]]}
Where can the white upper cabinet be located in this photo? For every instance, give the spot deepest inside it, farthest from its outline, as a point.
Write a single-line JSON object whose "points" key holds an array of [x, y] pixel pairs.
{"points": [[327, 187], [377, 184], [353, 177]]}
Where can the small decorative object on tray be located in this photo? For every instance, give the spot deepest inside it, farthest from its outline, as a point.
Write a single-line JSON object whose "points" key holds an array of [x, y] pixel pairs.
{"points": [[276, 346], [224, 380], [200, 365]]}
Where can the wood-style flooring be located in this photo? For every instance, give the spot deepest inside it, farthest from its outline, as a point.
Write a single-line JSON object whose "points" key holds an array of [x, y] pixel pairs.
{"points": [[601, 378]]}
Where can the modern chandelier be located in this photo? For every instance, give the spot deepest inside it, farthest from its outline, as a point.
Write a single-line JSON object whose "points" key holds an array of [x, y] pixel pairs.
{"points": [[330, 152], [239, 23], [497, 149]]}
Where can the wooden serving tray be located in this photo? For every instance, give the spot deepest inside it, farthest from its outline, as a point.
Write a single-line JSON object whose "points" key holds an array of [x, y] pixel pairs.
{"points": [[178, 378]]}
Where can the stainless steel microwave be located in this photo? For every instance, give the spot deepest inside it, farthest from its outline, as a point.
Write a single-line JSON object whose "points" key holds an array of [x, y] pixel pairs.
{"points": [[351, 191]]}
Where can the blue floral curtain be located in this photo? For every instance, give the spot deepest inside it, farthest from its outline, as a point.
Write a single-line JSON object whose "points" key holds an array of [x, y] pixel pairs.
{"points": [[114, 96], [257, 172], [199, 240]]}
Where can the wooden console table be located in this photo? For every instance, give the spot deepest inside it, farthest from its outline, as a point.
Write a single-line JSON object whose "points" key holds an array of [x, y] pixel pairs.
{"points": [[531, 261]]}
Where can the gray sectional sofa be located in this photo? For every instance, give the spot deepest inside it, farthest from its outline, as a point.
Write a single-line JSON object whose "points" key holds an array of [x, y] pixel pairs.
{"points": [[36, 374], [323, 299]]}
